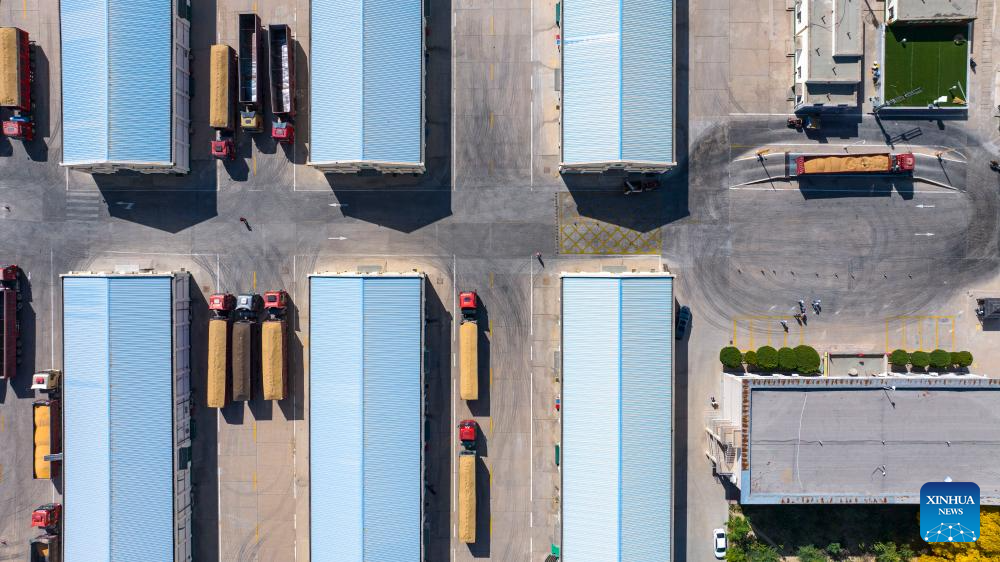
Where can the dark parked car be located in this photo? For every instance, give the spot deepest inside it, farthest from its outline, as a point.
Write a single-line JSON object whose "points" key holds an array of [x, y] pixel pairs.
{"points": [[683, 322]]}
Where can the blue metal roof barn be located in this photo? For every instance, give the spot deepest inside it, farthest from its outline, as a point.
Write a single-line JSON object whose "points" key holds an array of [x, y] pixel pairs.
{"points": [[125, 79], [367, 85], [125, 417], [617, 427], [617, 85], [366, 416]]}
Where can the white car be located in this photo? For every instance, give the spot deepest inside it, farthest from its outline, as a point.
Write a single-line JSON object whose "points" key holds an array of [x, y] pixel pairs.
{"points": [[720, 544]]}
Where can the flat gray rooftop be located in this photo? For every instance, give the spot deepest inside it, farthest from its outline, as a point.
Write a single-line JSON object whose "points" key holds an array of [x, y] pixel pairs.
{"points": [[831, 36], [936, 10], [860, 442]]}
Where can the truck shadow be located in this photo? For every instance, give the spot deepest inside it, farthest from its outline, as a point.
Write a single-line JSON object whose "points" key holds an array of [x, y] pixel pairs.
{"points": [[481, 548], [680, 447], [204, 436], [292, 406], [37, 149], [481, 407], [26, 318]]}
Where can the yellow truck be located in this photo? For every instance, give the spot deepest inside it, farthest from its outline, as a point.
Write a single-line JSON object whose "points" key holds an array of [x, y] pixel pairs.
{"points": [[877, 163], [221, 305], [274, 346], [47, 447], [468, 347], [467, 497]]}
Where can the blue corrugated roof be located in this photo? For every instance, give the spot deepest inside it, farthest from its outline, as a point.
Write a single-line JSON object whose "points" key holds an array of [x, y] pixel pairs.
{"points": [[618, 81], [118, 406], [617, 417], [366, 345], [117, 80], [366, 65]]}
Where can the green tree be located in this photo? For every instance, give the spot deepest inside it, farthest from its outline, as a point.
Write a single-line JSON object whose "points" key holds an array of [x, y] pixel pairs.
{"points": [[737, 530], [899, 358], [786, 359], [810, 553], [940, 359], [751, 358], [891, 552], [731, 357], [835, 551], [806, 359], [920, 360], [767, 358], [760, 552]]}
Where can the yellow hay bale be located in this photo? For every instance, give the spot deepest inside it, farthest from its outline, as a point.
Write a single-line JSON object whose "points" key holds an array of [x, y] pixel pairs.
{"points": [[469, 361], [467, 498], [220, 116], [10, 87], [217, 343], [273, 359]]}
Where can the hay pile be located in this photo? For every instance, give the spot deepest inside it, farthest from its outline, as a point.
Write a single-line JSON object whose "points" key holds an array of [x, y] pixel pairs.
{"points": [[218, 332], [469, 357], [10, 91], [219, 115], [467, 498], [848, 164], [273, 367], [43, 441], [242, 359]]}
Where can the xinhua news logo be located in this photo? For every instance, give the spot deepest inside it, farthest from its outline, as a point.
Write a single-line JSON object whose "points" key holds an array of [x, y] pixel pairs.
{"points": [[949, 511]]}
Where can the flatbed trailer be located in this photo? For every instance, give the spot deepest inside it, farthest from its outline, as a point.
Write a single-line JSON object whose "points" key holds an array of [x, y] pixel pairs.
{"points": [[10, 322], [282, 65], [243, 346], [250, 85]]}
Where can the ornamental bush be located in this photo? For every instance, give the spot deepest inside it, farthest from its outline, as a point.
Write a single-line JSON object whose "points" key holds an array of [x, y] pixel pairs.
{"points": [[899, 358], [751, 358], [767, 358], [731, 358], [964, 359], [786, 359], [806, 360], [940, 359], [920, 359]]}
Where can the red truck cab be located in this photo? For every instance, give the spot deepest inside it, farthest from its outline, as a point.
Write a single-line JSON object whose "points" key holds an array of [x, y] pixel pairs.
{"points": [[223, 149], [221, 304], [467, 434], [468, 301], [47, 516], [904, 162], [10, 305]]}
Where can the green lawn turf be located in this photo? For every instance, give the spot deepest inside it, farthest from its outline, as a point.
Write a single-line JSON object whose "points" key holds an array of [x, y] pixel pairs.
{"points": [[929, 59]]}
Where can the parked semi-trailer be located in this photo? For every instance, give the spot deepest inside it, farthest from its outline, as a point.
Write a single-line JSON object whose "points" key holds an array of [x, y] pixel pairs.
{"points": [[468, 336], [218, 348], [10, 323], [274, 346], [282, 62], [47, 439], [881, 163], [467, 482], [245, 331], [251, 89], [17, 71], [222, 110]]}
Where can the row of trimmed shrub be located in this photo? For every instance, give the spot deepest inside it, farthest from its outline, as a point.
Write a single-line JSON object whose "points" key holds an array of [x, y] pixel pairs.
{"points": [[938, 359], [803, 359]]}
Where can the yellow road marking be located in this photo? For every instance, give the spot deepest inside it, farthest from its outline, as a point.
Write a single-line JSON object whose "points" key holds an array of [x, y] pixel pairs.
{"points": [[491, 280], [491, 119], [491, 25], [491, 326], [769, 337], [255, 480], [491, 71], [24, 9], [784, 342], [920, 335], [935, 334], [254, 158], [491, 525], [491, 427], [254, 6], [491, 383], [254, 432], [254, 280], [751, 334], [256, 532]]}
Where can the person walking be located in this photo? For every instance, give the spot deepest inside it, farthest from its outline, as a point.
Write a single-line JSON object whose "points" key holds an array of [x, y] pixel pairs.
{"points": [[784, 324], [246, 223]]}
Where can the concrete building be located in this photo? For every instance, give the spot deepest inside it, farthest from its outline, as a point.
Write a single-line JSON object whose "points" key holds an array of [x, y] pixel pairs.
{"points": [[855, 440], [617, 423], [617, 85], [366, 414], [126, 408], [829, 45], [125, 85], [366, 77], [918, 12]]}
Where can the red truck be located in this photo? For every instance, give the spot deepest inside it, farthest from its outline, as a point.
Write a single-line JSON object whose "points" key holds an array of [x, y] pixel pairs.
{"points": [[17, 71], [879, 163], [10, 292], [282, 49]]}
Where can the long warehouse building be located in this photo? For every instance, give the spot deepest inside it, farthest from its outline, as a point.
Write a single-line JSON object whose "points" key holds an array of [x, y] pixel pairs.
{"points": [[618, 85], [366, 69], [125, 85], [126, 426], [851, 440], [617, 424], [366, 417]]}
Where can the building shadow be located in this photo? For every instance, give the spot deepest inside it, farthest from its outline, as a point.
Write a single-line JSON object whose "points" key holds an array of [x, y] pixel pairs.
{"points": [[439, 449], [403, 211], [167, 210], [204, 436], [292, 405], [680, 446]]}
